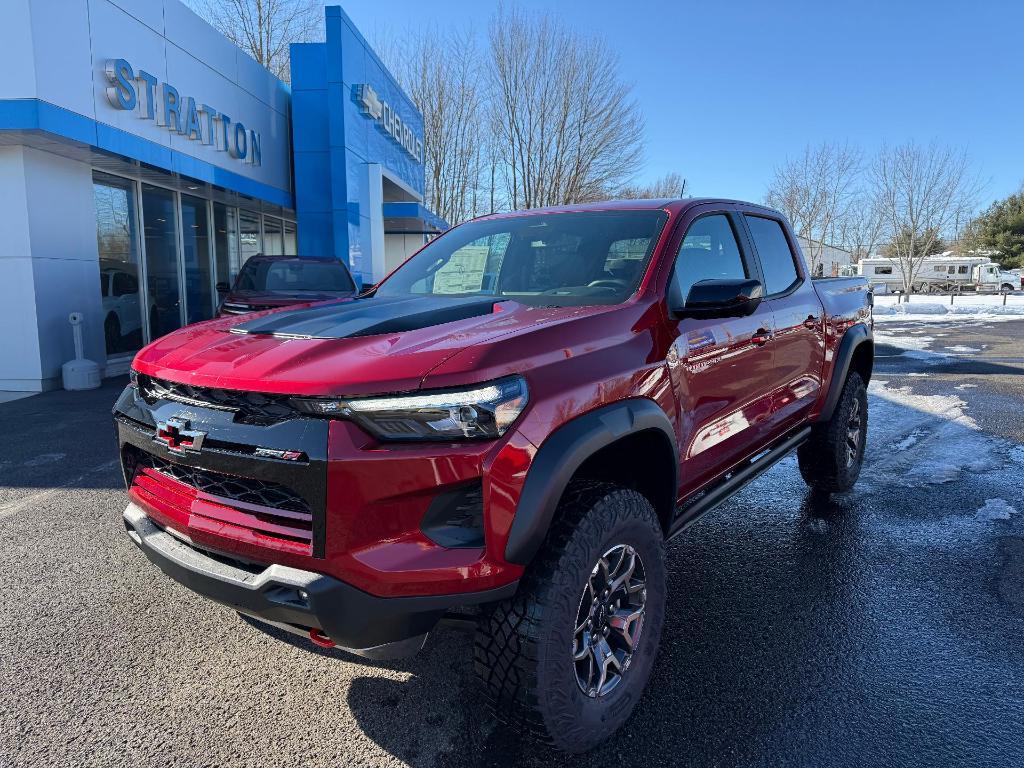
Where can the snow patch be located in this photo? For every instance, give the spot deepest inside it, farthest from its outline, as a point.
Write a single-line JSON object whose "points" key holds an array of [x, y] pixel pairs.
{"points": [[963, 349], [996, 509], [927, 439], [966, 386]]}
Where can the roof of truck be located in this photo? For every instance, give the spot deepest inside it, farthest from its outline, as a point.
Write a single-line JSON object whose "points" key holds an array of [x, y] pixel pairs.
{"points": [[664, 203]]}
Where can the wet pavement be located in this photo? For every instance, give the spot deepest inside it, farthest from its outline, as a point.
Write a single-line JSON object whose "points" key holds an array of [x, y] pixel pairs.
{"points": [[883, 627]]}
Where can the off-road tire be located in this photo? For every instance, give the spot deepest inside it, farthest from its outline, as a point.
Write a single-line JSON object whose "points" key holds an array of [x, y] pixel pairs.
{"points": [[828, 461], [524, 645]]}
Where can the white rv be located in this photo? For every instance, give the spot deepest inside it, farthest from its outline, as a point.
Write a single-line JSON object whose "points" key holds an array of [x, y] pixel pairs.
{"points": [[938, 274]]}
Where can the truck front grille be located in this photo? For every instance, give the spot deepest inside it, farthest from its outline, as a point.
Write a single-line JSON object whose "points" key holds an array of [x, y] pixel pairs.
{"points": [[264, 513], [249, 407], [246, 489]]}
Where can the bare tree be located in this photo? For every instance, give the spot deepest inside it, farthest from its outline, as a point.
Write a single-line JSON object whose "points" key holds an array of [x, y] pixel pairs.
{"points": [[671, 185], [815, 190], [264, 28], [922, 194], [567, 128], [443, 74], [860, 228]]}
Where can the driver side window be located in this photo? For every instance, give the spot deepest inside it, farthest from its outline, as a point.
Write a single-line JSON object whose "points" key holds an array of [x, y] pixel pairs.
{"points": [[709, 252]]}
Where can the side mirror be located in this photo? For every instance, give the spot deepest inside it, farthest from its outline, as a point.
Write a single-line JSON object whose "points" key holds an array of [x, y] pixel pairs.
{"points": [[721, 298], [222, 287]]}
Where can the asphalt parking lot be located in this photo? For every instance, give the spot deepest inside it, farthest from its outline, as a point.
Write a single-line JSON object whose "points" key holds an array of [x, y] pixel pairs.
{"points": [[879, 628]]}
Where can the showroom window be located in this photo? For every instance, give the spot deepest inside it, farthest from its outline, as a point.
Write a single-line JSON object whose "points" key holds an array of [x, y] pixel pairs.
{"points": [[195, 238], [290, 243], [117, 243], [273, 242], [250, 239], [225, 244]]}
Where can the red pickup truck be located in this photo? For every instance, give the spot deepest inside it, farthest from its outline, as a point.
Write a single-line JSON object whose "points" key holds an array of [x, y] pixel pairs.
{"points": [[511, 425]]}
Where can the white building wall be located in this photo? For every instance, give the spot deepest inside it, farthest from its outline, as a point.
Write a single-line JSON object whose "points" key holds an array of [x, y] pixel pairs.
{"points": [[48, 266], [398, 248]]}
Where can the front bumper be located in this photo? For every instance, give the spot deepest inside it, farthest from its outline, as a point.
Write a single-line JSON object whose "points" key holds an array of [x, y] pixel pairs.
{"points": [[299, 600]]}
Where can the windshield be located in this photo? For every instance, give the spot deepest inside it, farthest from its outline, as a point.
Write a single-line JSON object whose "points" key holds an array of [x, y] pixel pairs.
{"points": [[556, 259], [294, 276]]}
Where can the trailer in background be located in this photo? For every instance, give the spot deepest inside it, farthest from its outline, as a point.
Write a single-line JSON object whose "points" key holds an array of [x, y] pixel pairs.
{"points": [[941, 273]]}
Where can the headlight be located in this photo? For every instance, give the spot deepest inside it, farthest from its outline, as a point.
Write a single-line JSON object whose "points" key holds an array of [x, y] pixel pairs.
{"points": [[484, 411]]}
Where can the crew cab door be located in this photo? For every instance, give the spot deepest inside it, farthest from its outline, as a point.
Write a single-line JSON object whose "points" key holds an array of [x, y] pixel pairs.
{"points": [[799, 345], [720, 367]]}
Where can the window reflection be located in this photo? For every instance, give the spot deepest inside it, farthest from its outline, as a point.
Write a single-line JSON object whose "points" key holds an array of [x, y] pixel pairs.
{"points": [[272, 236], [249, 239], [161, 237], [195, 235], [116, 240], [225, 242]]}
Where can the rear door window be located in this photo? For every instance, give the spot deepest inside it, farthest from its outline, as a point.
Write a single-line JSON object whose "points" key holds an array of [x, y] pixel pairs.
{"points": [[777, 262]]}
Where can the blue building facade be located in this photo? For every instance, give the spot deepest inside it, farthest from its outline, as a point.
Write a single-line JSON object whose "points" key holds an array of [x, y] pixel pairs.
{"points": [[358, 154]]}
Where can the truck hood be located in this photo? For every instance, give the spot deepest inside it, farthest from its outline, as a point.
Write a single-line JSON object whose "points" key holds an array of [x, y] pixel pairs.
{"points": [[344, 348]]}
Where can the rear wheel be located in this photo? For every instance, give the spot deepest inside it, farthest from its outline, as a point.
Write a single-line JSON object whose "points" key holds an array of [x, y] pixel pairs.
{"points": [[566, 660], [832, 457]]}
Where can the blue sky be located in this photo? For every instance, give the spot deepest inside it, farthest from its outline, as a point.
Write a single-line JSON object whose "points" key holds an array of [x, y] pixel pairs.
{"points": [[728, 90]]}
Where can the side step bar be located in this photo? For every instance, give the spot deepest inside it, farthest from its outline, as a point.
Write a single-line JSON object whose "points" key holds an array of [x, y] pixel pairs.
{"points": [[733, 481]]}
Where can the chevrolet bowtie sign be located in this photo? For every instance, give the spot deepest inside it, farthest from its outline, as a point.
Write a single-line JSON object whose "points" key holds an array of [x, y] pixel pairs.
{"points": [[378, 110]]}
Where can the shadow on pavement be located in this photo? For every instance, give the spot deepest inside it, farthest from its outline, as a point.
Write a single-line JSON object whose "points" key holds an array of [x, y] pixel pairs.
{"points": [[61, 440]]}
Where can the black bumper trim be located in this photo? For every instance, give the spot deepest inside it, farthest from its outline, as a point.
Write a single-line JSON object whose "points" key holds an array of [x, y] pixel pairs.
{"points": [[353, 619]]}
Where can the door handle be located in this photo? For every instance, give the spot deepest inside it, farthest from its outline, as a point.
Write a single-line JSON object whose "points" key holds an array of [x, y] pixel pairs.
{"points": [[761, 337], [811, 322]]}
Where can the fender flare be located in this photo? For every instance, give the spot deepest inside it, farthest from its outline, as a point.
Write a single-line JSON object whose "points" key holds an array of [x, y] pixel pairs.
{"points": [[563, 452], [852, 339]]}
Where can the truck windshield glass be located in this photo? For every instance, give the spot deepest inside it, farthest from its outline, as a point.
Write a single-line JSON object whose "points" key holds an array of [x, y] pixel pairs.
{"points": [[556, 259], [294, 276]]}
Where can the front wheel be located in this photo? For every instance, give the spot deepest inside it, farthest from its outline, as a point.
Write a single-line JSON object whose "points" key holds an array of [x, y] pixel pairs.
{"points": [[566, 660], [832, 457]]}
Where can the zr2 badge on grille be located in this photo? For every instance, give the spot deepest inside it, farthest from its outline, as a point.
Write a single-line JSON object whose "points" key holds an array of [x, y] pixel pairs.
{"points": [[177, 435]]}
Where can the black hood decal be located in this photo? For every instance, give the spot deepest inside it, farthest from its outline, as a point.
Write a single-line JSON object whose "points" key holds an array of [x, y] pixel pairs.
{"points": [[367, 317]]}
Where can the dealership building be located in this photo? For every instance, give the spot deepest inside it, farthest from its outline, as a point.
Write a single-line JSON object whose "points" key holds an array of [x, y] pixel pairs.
{"points": [[144, 158]]}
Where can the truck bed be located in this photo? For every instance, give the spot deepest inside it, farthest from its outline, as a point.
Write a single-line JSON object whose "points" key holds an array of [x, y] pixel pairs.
{"points": [[845, 298]]}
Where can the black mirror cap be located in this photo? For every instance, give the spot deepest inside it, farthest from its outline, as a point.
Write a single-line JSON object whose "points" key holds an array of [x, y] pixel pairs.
{"points": [[722, 298], [223, 287]]}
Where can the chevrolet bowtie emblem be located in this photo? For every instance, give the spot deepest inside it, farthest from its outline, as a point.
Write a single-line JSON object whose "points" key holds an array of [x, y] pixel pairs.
{"points": [[177, 435]]}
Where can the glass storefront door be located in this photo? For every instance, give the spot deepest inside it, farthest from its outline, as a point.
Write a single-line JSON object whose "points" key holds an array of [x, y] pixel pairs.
{"points": [[195, 238], [161, 239], [117, 241]]}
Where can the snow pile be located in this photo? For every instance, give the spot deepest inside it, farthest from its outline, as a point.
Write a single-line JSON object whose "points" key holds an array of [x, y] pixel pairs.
{"points": [[931, 308]]}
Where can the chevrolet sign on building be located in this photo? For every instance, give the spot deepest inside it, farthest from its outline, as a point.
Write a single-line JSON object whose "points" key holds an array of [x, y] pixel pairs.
{"points": [[377, 109]]}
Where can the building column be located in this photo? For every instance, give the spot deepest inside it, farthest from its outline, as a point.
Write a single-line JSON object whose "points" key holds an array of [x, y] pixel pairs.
{"points": [[375, 201], [49, 266]]}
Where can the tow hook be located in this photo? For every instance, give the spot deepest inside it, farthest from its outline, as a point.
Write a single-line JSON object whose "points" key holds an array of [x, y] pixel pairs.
{"points": [[319, 638]]}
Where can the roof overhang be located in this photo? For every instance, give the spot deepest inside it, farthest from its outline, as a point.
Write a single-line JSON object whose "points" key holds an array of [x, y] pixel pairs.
{"points": [[412, 218]]}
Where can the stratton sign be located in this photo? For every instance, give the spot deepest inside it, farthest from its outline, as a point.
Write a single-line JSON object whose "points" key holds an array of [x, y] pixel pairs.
{"points": [[387, 119], [162, 103]]}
